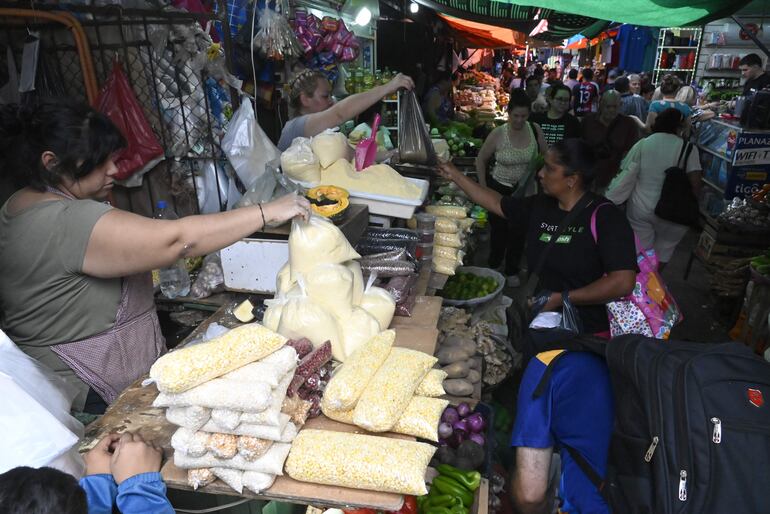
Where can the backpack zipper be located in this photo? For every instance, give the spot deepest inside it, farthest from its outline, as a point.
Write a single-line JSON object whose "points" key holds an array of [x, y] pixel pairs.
{"points": [[682, 486], [720, 425], [651, 449], [716, 435]]}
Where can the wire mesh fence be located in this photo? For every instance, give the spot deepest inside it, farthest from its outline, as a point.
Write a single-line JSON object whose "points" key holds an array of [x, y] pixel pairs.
{"points": [[159, 51]]}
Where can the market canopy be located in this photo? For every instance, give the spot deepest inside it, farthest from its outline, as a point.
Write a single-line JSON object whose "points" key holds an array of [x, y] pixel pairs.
{"points": [[519, 18], [480, 35], [651, 13]]}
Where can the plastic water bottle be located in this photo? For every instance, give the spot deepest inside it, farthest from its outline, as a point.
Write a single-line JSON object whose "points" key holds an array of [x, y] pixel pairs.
{"points": [[174, 280]]}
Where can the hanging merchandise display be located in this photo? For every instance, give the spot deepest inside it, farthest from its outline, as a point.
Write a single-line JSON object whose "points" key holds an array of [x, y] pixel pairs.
{"points": [[118, 101], [275, 40], [325, 43]]}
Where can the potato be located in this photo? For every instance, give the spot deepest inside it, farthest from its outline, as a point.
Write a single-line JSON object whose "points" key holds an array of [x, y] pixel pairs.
{"points": [[457, 370], [451, 354], [474, 376], [454, 341], [473, 363], [458, 387]]}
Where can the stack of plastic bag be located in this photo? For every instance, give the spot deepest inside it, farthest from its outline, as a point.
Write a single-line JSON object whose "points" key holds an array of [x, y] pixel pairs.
{"points": [[452, 223], [37, 404], [320, 293], [228, 396], [381, 388]]}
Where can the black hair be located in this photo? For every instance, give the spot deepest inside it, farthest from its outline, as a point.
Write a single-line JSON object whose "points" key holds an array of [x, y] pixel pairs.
{"points": [[555, 88], [81, 138], [531, 78], [669, 121], [577, 157], [750, 60], [622, 85], [539, 72], [670, 84], [519, 98], [588, 74], [573, 73], [647, 88], [25, 490]]}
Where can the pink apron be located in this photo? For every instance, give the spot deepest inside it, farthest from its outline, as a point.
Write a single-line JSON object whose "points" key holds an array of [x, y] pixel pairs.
{"points": [[112, 360]]}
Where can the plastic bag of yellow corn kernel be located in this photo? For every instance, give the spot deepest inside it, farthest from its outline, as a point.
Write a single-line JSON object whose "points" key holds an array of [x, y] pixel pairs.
{"points": [[432, 385], [388, 393], [421, 418], [350, 380], [359, 461]]}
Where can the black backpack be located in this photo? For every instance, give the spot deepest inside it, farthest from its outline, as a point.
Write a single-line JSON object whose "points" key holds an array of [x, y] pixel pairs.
{"points": [[692, 427], [677, 202]]}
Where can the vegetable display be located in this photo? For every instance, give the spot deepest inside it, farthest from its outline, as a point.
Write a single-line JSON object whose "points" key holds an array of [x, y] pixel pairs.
{"points": [[451, 492], [466, 286], [462, 438]]}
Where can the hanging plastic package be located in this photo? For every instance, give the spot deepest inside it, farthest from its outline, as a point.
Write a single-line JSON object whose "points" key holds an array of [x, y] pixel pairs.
{"points": [[414, 143], [118, 102], [247, 146], [211, 184], [29, 58]]}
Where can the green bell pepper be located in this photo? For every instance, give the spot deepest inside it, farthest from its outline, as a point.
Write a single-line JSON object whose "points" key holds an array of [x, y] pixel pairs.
{"points": [[438, 510], [470, 479], [447, 485]]}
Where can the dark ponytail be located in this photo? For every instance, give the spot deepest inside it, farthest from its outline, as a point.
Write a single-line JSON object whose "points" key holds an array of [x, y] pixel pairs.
{"points": [[81, 138]]}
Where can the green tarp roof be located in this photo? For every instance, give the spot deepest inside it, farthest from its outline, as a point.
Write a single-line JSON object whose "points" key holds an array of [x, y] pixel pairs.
{"points": [[652, 13]]}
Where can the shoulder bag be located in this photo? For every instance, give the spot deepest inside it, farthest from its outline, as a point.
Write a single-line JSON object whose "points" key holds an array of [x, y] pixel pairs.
{"points": [[677, 202]]}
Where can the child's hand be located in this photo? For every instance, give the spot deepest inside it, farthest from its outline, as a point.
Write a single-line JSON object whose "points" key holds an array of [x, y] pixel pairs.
{"points": [[133, 456], [98, 458]]}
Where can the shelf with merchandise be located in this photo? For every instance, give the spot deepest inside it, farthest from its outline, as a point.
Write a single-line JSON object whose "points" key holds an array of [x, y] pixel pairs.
{"points": [[674, 69], [678, 47]]}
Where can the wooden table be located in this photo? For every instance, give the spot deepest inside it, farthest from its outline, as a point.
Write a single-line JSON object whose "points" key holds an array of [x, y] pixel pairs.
{"points": [[133, 411]]}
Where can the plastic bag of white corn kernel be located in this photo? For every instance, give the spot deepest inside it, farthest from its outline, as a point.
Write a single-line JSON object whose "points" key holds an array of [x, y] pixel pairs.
{"points": [[421, 418], [271, 462], [257, 482], [349, 381], [262, 431], [200, 477], [271, 416], [359, 461], [232, 477], [444, 266], [315, 242], [267, 371], [190, 442], [192, 417], [221, 393], [432, 385], [226, 418], [388, 393]]}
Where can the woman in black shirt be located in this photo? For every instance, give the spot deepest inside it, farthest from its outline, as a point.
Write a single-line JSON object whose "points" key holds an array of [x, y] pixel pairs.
{"points": [[592, 270]]}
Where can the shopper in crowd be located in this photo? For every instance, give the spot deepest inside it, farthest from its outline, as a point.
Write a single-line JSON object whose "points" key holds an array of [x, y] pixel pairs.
{"points": [[631, 104], [572, 81], [585, 96], [121, 471], [552, 77], [606, 269], [437, 106], [76, 292], [506, 78], [534, 92], [557, 124], [573, 413], [313, 110], [641, 181], [611, 135], [753, 72], [612, 76], [514, 147], [635, 84], [519, 81], [646, 92], [669, 87]]}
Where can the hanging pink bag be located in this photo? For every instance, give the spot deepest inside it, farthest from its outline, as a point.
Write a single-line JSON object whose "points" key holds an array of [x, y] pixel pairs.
{"points": [[118, 102], [650, 310]]}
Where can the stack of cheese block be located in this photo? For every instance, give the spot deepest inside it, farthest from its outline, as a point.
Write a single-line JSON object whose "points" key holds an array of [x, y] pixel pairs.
{"points": [[378, 388], [320, 292], [228, 396], [452, 223]]}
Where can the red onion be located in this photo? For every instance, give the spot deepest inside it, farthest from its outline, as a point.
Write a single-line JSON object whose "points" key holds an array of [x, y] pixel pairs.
{"points": [[476, 422], [450, 415], [460, 426], [463, 409], [477, 438], [444, 430]]}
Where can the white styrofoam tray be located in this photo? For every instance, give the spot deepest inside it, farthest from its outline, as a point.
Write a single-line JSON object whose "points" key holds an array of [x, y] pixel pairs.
{"points": [[387, 205], [251, 265]]}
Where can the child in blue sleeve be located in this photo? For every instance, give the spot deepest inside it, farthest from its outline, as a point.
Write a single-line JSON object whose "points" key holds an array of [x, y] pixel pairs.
{"points": [[121, 470]]}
